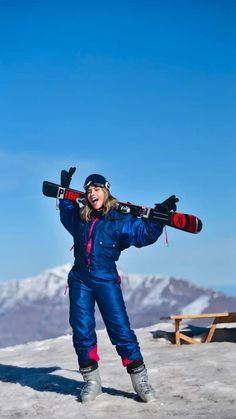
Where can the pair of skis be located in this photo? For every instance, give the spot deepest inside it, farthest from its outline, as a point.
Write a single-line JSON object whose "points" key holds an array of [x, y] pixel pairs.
{"points": [[184, 222]]}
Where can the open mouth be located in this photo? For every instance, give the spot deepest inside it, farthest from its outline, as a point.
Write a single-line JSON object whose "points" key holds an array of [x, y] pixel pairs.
{"points": [[95, 201]]}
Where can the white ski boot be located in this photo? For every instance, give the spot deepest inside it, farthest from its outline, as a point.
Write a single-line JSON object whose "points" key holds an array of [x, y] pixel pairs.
{"points": [[140, 384], [92, 387]]}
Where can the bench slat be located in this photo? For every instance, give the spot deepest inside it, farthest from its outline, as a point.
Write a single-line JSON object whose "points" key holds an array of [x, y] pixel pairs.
{"points": [[199, 316]]}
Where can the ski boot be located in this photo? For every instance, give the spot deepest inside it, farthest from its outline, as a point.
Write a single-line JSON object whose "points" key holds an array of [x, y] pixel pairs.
{"points": [[92, 387], [140, 383]]}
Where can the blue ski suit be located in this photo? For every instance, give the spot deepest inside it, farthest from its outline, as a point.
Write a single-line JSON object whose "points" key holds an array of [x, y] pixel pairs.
{"points": [[94, 278]]}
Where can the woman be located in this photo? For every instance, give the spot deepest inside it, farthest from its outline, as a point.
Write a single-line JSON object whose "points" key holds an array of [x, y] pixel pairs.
{"points": [[100, 233]]}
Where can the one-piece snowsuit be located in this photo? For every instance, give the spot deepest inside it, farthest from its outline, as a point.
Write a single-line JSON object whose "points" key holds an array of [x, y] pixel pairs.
{"points": [[94, 278]]}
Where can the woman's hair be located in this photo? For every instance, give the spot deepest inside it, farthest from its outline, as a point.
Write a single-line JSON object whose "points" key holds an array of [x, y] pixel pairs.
{"points": [[109, 202]]}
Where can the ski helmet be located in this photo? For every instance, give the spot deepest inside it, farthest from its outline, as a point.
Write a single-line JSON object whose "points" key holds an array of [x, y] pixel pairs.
{"points": [[97, 180]]}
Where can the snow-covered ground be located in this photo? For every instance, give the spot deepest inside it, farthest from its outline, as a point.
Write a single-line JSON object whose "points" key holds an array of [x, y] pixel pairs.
{"points": [[41, 380]]}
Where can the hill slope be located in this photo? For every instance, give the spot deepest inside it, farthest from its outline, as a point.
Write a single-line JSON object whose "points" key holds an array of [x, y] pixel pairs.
{"points": [[36, 308]]}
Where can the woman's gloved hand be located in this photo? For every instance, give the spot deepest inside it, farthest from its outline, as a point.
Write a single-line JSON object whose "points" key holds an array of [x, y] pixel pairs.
{"points": [[66, 177], [168, 205]]}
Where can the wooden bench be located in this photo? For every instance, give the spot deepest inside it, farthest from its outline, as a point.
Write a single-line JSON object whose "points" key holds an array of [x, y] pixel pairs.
{"points": [[217, 318]]}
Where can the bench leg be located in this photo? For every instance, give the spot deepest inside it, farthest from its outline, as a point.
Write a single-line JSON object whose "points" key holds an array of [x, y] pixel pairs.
{"points": [[211, 332], [177, 331]]}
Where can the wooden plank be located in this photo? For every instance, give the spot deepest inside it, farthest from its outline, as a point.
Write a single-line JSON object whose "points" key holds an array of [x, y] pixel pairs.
{"points": [[177, 331], [188, 339], [197, 316], [211, 332], [231, 318]]}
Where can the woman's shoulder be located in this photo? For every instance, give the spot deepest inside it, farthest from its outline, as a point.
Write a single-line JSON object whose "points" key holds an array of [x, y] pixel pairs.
{"points": [[115, 214]]}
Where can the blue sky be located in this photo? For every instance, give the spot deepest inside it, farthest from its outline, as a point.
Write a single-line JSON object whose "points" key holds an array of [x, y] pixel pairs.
{"points": [[140, 91]]}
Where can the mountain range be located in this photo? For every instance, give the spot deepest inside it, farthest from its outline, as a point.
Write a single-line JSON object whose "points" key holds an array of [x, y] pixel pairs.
{"points": [[37, 308]]}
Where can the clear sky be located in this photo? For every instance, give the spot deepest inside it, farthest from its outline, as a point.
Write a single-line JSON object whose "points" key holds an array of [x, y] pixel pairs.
{"points": [[140, 91]]}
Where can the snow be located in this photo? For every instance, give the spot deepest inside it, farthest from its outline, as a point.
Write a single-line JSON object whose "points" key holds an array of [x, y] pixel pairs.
{"points": [[41, 380], [196, 306], [156, 297], [46, 284], [132, 281]]}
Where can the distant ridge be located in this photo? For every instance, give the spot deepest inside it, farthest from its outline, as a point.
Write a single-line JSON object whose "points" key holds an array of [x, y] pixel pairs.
{"points": [[36, 308]]}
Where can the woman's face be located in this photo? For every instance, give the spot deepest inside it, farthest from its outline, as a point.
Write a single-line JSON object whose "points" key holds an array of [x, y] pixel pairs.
{"points": [[96, 196]]}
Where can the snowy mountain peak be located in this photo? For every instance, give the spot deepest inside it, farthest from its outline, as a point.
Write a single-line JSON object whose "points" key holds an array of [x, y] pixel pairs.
{"points": [[48, 284], [36, 308]]}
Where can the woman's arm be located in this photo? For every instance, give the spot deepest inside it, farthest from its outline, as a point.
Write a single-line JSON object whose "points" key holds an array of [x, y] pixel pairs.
{"points": [[67, 214], [67, 208], [139, 232]]}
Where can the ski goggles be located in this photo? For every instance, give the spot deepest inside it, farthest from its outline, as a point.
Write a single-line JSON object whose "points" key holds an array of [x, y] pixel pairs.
{"points": [[97, 180]]}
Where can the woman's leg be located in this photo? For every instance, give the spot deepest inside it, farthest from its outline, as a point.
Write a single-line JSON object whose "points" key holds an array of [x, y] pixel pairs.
{"points": [[82, 321], [111, 304]]}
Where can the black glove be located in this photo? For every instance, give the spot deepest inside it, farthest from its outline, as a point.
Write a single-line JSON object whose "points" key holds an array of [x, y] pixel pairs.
{"points": [[168, 205], [66, 177]]}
